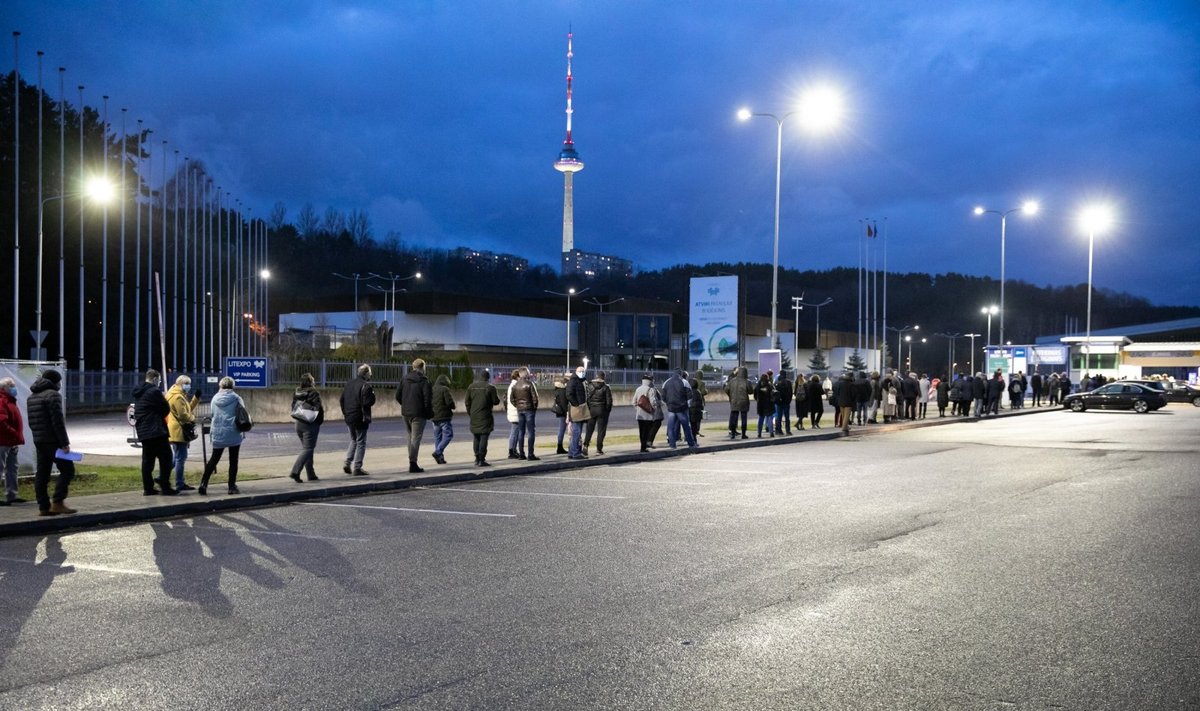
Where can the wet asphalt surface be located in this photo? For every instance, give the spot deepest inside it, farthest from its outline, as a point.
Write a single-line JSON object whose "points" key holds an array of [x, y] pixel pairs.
{"points": [[1037, 562]]}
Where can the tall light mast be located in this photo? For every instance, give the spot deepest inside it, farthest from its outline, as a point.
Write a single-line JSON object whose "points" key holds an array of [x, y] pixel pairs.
{"points": [[568, 164]]}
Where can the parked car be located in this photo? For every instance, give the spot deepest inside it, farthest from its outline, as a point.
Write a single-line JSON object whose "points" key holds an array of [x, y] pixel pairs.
{"points": [[1124, 395], [1178, 391]]}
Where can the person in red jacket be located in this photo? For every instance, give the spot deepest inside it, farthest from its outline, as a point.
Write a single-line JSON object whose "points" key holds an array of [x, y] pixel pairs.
{"points": [[12, 435]]}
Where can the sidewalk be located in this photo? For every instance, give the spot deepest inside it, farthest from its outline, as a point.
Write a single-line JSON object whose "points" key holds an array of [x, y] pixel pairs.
{"points": [[388, 468]]}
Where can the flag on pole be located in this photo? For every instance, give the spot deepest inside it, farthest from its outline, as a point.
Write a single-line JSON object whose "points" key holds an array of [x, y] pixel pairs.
{"points": [[870, 230]]}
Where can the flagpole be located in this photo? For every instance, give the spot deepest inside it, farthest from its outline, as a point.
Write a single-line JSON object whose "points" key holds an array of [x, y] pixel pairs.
{"points": [[885, 276]]}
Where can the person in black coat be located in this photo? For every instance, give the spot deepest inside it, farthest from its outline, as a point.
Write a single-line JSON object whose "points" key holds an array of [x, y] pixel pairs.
{"points": [[979, 393], [862, 396], [357, 399], [783, 404], [995, 391], [1035, 382], [800, 396], [415, 396], [816, 407], [44, 410], [150, 410], [910, 390], [308, 394], [600, 404]]}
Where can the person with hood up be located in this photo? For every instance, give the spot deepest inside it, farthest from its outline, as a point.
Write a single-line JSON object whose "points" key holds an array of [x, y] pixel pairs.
{"points": [[814, 394], [150, 411], [49, 428], [358, 397], [481, 398], [559, 408], [646, 402], [225, 434], [764, 402], [308, 394], [415, 396], [181, 419], [443, 414], [12, 436], [600, 404], [524, 396], [738, 390]]}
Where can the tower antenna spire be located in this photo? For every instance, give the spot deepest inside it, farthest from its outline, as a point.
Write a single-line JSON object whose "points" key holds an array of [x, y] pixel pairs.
{"points": [[568, 163]]}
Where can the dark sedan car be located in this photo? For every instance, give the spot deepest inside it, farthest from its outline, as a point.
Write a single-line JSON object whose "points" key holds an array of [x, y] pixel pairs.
{"points": [[1182, 392], [1117, 396]]}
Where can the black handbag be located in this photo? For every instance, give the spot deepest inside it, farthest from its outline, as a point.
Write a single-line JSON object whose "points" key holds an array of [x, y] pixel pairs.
{"points": [[242, 420], [189, 431]]}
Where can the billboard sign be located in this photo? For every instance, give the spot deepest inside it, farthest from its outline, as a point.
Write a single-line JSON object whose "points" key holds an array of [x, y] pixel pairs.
{"points": [[247, 372], [713, 319]]}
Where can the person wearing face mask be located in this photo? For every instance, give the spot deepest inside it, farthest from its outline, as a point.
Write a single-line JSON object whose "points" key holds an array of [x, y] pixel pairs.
{"points": [[12, 436], [150, 410], [577, 394], [179, 422]]}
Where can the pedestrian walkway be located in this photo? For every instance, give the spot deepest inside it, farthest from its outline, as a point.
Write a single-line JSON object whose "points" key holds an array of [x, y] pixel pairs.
{"points": [[388, 471]]}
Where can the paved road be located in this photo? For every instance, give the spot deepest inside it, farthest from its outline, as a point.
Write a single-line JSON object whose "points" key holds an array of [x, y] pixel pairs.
{"points": [[1033, 562]]}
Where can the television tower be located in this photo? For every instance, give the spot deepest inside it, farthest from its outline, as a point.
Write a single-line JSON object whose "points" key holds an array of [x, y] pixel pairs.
{"points": [[568, 164]]}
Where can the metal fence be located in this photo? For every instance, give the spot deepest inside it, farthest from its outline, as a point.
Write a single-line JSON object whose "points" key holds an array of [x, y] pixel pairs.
{"points": [[332, 373]]}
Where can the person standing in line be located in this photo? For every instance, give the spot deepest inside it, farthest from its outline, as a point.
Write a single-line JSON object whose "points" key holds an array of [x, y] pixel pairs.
{"points": [[645, 403], [738, 390], [1052, 388], [1064, 386], [911, 390], [577, 395], [559, 408], [994, 393], [862, 397], [308, 432], [764, 397], [182, 414], [1016, 397], [49, 428], [511, 414], [225, 434], [923, 396], [891, 397], [876, 398], [979, 390], [443, 415], [815, 391], [845, 400], [696, 404], [783, 404], [524, 395], [12, 436], [356, 401], [150, 411], [700, 390], [481, 398], [1035, 383], [659, 413], [800, 395], [941, 391], [415, 396], [600, 404], [676, 395]]}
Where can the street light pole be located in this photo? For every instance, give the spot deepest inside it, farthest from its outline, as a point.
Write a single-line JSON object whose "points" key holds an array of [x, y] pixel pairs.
{"points": [[601, 304], [990, 311], [899, 334], [391, 276], [1029, 207], [826, 302], [1094, 219], [569, 293], [972, 336], [355, 277]]}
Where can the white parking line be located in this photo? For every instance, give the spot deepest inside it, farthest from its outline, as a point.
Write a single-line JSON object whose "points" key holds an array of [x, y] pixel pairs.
{"points": [[621, 481], [86, 566], [258, 532], [516, 493], [691, 470], [400, 508]]}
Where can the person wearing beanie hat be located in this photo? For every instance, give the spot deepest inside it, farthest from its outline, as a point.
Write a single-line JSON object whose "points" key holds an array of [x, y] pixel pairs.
{"points": [[46, 421]]}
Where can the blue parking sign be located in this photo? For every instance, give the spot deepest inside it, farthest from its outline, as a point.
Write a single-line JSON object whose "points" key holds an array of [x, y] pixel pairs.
{"points": [[247, 372]]}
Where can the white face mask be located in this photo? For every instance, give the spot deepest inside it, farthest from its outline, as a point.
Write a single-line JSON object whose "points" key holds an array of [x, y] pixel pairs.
{"points": [[579, 373], [187, 387]]}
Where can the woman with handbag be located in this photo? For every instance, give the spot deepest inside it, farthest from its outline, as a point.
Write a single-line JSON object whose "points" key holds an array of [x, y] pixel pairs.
{"points": [[229, 423], [181, 426], [309, 413]]}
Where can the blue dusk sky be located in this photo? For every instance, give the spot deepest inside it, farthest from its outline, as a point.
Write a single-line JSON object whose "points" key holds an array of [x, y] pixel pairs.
{"points": [[443, 120]]}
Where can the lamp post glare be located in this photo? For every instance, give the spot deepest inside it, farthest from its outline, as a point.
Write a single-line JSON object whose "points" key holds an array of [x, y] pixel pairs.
{"points": [[99, 191], [819, 110], [568, 294], [1029, 207], [989, 311], [972, 336], [1093, 219]]}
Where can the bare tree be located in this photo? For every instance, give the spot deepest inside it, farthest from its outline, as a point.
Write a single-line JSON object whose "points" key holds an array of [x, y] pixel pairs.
{"points": [[307, 223], [278, 216], [334, 223], [359, 224]]}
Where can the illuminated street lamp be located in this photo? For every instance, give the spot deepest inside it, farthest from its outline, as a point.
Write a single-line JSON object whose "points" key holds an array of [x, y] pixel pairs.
{"points": [[391, 276], [1029, 207], [909, 341], [100, 191], [989, 311], [899, 334], [569, 293], [972, 336], [1093, 219], [819, 111]]}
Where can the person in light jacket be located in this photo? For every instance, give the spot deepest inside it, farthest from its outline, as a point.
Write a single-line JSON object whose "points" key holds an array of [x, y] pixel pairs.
{"points": [[513, 416], [644, 416], [308, 394], [183, 406], [225, 434]]}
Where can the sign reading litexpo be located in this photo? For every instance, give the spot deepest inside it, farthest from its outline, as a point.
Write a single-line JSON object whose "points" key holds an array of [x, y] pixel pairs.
{"points": [[713, 318], [247, 372]]}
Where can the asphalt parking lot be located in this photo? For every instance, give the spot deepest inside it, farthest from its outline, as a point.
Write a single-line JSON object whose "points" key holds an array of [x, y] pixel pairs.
{"points": [[1034, 562]]}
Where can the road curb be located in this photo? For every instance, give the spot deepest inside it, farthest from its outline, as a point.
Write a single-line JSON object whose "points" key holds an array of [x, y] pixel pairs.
{"points": [[191, 505]]}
